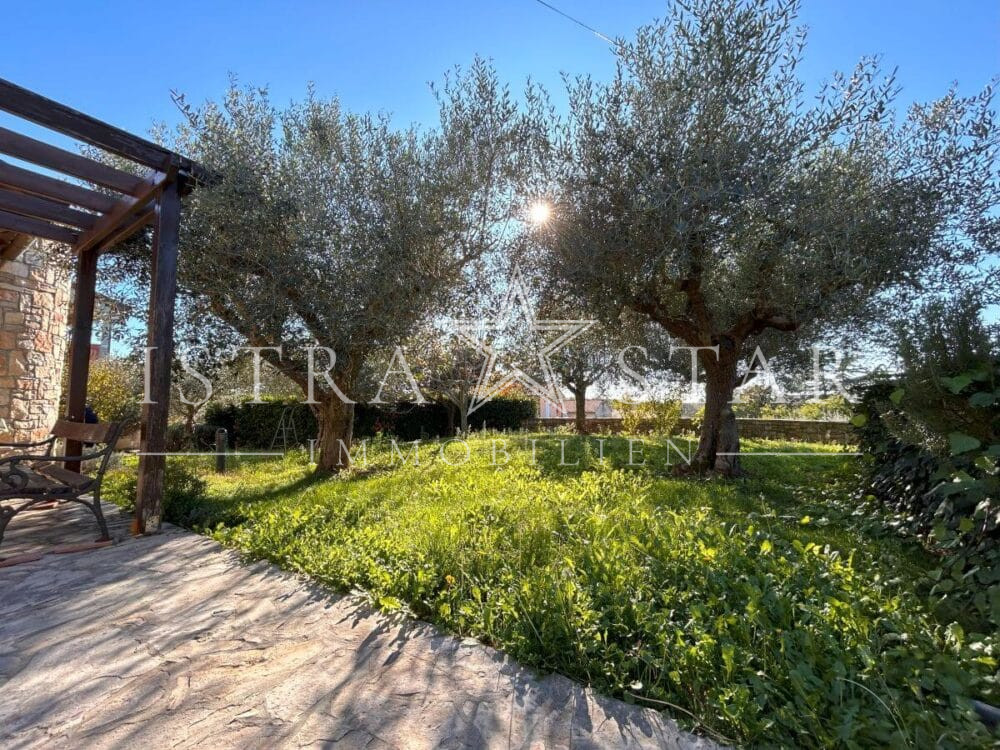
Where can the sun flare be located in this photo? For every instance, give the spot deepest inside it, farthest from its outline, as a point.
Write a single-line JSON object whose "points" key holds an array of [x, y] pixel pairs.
{"points": [[540, 212]]}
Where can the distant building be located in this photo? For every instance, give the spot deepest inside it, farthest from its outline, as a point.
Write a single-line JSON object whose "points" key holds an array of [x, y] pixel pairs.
{"points": [[596, 408], [108, 314]]}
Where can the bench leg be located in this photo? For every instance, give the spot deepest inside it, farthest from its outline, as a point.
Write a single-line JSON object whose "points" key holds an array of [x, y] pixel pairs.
{"points": [[5, 515], [99, 513], [95, 508]]}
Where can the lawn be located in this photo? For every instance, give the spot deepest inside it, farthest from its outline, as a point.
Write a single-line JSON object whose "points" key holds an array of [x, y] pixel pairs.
{"points": [[758, 612]]}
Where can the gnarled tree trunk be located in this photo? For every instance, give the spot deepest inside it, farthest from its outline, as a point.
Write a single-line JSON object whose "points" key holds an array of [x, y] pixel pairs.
{"points": [[336, 431], [580, 398], [719, 444]]}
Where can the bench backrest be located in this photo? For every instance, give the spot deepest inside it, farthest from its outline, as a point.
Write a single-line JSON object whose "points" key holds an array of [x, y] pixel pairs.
{"points": [[85, 432], [104, 434]]}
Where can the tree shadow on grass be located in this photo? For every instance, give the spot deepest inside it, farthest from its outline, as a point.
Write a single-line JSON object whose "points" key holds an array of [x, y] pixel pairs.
{"points": [[207, 511]]}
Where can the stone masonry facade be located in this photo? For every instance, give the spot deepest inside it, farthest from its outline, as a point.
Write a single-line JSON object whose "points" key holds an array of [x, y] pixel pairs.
{"points": [[34, 297]]}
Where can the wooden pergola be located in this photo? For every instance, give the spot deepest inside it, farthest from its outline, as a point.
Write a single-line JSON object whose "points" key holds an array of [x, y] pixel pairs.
{"points": [[90, 221]]}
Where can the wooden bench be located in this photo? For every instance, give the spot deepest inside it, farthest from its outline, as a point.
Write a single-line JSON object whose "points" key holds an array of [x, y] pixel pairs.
{"points": [[30, 474]]}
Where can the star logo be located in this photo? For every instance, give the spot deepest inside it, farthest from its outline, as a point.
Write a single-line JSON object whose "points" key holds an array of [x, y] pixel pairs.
{"points": [[514, 321]]}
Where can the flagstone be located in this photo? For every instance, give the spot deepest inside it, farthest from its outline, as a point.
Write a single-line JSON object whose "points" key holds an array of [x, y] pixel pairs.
{"points": [[172, 641]]}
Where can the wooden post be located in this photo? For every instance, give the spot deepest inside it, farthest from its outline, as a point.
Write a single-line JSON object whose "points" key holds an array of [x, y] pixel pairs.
{"points": [[79, 347], [160, 337]]}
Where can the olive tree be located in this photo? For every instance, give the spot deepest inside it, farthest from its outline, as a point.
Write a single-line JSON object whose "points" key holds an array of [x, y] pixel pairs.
{"points": [[701, 187], [333, 235], [448, 370], [590, 358]]}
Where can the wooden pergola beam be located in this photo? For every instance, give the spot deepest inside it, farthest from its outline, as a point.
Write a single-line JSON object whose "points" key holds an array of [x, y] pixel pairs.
{"points": [[111, 220], [36, 228], [55, 116], [51, 157], [43, 208], [14, 249], [127, 228], [26, 181], [79, 346], [160, 343], [38, 205]]}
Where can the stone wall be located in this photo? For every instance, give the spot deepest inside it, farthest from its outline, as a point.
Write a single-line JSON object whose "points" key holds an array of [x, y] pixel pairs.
{"points": [[34, 296], [806, 430]]}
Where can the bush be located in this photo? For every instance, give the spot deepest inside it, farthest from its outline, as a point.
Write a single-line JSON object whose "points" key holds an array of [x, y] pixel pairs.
{"points": [[254, 426], [656, 417], [184, 492], [178, 438], [753, 400], [114, 390], [222, 415], [503, 413], [934, 440], [406, 421], [756, 402]]}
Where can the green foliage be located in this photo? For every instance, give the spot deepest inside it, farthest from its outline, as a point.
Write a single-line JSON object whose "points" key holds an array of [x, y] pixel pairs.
{"points": [[659, 417], [114, 390], [254, 425], [934, 438], [759, 611], [757, 402], [752, 401], [828, 408], [503, 413], [184, 492]]}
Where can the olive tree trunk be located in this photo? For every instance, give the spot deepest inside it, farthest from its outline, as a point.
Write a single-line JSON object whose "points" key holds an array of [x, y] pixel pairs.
{"points": [[580, 397], [719, 443], [336, 430]]}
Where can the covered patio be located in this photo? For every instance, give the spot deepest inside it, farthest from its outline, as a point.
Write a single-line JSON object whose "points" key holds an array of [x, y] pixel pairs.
{"points": [[89, 205]]}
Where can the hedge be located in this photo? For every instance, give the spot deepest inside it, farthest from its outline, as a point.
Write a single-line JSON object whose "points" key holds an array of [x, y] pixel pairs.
{"points": [[254, 426], [948, 496]]}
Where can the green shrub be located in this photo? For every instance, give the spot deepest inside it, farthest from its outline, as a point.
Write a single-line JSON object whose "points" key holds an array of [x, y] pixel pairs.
{"points": [[504, 413], [254, 426], [114, 390], [184, 493], [219, 414], [934, 441], [406, 421], [656, 417], [757, 402], [828, 408], [752, 401]]}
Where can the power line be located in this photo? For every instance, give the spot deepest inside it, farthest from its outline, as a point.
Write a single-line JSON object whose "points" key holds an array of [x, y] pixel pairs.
{"points": [[578, 22]]}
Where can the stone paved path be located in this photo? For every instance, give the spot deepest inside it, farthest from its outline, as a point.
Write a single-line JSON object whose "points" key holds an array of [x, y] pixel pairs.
{"points": [[169, 641]]}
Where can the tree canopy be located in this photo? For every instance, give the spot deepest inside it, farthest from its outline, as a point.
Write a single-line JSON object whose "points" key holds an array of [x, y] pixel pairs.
{"points": [[334, 235], [703, 188]]}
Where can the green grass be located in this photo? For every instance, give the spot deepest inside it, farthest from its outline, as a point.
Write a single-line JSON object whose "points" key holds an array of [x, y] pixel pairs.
{"points": [[760, 612]]}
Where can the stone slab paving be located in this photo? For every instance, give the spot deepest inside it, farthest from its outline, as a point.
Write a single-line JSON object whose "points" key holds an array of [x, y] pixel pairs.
{"points": [[170, 641], [42, 530]]}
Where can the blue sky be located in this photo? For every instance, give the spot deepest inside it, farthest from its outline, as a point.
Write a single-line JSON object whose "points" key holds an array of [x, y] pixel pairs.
{"points": [[119, 61]]}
